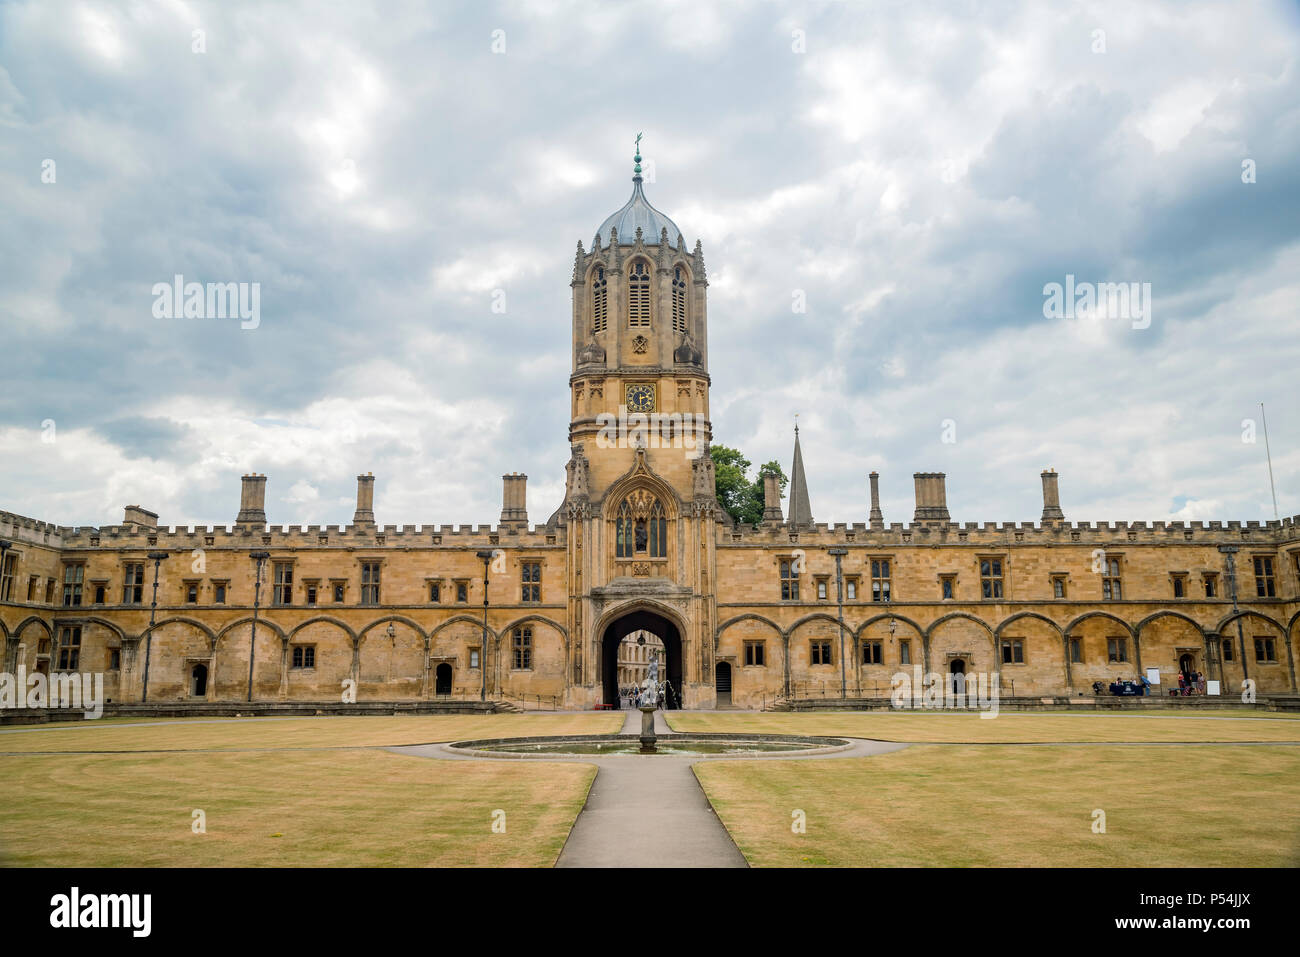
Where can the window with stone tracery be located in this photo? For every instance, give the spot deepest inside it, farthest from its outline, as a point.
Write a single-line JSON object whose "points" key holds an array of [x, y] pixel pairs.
{"points": [[599, 298], [641, 527], [638, 295]]}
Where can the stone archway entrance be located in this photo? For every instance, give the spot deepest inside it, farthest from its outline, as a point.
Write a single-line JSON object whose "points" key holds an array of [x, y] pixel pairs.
{"points": [[957, 676], [722, 683], [660, 627]]}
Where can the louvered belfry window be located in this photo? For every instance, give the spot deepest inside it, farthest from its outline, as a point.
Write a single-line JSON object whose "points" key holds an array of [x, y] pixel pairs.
{"points": [[679, 300], [638, 295], [599, 296]]}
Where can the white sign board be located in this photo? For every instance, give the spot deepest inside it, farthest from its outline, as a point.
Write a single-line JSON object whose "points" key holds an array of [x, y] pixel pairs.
{"points": [[1153, 675], [1211, 687]]}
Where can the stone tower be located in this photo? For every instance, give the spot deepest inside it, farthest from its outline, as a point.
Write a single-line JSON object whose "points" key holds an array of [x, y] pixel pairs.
{"points": [[639, 500]]}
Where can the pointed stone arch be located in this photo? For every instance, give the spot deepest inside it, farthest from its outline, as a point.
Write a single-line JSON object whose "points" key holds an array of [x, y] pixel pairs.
{"points": [[476, 622], [928, 637], [409, 622], [1243, 613], [650, 614], [953, 615], [817, 616], [247, 619], [997, 632], [207, 630], [327, 619], [640, 475], [18, 628], [1100, 614], [885, 617], [94, 620], [748, 616], [541, 620], [1169, 612]]}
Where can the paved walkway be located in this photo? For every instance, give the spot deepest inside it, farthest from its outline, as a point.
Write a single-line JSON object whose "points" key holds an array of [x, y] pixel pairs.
{"points": [[650, 811]]}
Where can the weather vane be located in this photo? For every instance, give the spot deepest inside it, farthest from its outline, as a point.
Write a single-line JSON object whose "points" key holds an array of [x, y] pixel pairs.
{"points": [[637, 169]]}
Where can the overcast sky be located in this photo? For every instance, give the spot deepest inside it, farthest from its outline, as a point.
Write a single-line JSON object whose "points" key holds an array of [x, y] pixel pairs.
{"points": [[918, 172]]}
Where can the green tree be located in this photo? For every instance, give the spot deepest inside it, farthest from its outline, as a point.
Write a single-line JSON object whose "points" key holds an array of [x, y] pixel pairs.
{"points": [[739, 496]]}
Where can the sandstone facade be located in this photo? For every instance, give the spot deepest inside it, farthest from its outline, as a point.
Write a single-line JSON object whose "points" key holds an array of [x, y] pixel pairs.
{"points": [[639, 543]]}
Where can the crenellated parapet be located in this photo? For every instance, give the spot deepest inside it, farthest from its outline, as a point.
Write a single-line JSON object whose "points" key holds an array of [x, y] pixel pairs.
{"points": [[1011, 533], [20, 528], [313, 536]]}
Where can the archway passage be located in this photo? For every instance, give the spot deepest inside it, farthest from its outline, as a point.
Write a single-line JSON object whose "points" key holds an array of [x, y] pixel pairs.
{"points": [[722, 683], [442, 679], [658, 626], [199, 681], [957, 679]]}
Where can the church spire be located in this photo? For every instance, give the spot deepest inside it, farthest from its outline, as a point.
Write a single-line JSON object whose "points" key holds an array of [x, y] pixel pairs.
{"points": [[800, 510]]}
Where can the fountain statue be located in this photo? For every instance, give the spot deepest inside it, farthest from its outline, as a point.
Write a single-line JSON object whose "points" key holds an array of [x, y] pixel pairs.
{"points": [[648, 702]]}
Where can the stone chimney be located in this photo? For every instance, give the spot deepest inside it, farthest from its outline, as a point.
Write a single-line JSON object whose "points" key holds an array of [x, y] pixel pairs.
{"points": [[1051, 498], [252, 500], [514, 500], [365, 513], [135, 515], [877, 518], [931, 497], [772, 499]]}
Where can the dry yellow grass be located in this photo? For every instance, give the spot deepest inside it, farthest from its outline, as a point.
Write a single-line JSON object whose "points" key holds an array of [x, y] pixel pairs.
{"points": [[318, 809], [373, 731], [1017, 807], [1006, 728]]}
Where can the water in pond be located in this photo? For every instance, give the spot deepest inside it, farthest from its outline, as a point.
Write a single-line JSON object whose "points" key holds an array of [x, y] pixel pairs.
{"points": [[664, 747]]}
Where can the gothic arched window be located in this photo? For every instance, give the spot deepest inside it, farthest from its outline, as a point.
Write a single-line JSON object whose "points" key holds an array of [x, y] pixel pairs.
{"points": [[638, 294], [658, 532], [641, 528], [598, 300], [679, 300], [624, 531]]}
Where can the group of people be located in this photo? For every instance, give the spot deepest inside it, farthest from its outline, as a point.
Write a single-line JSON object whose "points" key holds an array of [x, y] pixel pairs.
{"points": [[1190, 683], [1121, 686]]}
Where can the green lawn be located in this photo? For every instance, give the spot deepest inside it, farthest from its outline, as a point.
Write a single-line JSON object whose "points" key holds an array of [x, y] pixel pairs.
{"points": [[357, 808], [132, 804], [1011, 806], [374, 731], [324, 793], [1005, 728]]}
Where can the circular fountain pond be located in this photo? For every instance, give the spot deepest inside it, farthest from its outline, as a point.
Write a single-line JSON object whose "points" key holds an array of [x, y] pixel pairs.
{"points": [[678, 745]]}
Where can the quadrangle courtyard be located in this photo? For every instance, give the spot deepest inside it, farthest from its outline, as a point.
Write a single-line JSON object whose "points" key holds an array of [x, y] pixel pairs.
{"points": [[1024, 789]]}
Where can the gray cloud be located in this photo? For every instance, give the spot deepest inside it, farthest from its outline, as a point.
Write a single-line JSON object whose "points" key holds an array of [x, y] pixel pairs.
{"points": [[379, 171]]}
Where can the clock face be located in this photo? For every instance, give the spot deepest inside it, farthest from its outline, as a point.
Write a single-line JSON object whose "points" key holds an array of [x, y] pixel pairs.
{"points": [[640, 398]]}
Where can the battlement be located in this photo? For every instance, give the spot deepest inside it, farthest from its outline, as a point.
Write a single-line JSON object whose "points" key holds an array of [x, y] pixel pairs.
{"points": [[1012, 533], [20, 528], [311, 536]]}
